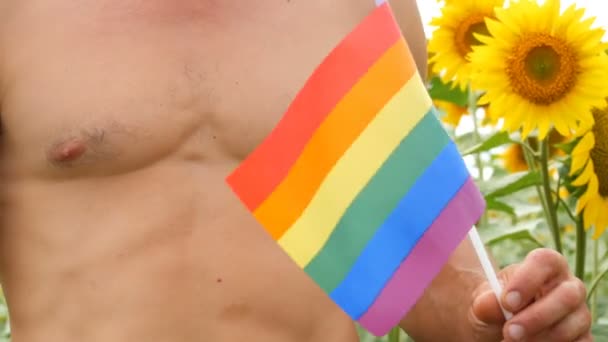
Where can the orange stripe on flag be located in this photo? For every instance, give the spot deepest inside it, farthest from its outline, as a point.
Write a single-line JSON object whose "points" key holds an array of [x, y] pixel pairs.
{"points": [[258, 175], [333, 138]]}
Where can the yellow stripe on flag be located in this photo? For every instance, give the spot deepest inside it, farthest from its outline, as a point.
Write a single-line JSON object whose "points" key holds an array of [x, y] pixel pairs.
{"points": [[305, 238], [332, 139]]}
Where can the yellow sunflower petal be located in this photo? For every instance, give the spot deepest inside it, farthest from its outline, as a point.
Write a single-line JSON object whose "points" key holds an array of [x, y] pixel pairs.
{"points": [[594, 185], [590, 214], [577, 164], [561, 126], [585, 176], [544, 125], [585, 145], [582, 203], [453, 112], [598, 232], [548, 63], [602, 220], [587, 198], [527, 126], [459, 29]]}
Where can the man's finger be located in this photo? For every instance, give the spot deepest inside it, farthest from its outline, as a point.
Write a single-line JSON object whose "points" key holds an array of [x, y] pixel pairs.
{"points": [[485, 306], [572, 327], [487, 310], [541, 267], [485, 317], [543, 314], [585, 338]]}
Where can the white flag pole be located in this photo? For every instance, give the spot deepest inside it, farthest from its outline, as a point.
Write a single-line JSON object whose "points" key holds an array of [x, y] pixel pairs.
{"points": [[488, 268]]}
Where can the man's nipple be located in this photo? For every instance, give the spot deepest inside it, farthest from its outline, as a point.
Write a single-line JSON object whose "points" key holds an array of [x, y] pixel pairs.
{"points": [[68, 151]]}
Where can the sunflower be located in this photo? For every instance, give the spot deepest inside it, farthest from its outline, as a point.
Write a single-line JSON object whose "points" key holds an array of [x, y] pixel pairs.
{"points": [[452, 112], [490, 118], [513, 157], [454, 37], [541, 67], [590, 157]]}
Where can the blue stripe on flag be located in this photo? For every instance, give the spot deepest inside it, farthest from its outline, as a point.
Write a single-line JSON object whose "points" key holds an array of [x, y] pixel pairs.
{"points": [[401, 231]]}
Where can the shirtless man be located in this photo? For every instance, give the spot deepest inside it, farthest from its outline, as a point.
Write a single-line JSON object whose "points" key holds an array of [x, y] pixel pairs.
{"points": [[121, 120]]}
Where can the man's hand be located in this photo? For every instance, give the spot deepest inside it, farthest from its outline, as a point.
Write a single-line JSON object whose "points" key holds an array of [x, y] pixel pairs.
{"points": [[547, 301]]}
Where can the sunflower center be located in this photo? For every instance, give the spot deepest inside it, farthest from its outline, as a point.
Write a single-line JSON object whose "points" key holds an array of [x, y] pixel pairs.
{"points": [[542, 68], [599, 153], [465, 34]]}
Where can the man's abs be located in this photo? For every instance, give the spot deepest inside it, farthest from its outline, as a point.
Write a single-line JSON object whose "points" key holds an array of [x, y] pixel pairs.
{"points": [[159, 254], [120, 122]]}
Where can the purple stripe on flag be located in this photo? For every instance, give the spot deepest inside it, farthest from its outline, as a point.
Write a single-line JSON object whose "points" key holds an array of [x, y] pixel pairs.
{"points": [[426, 260]]}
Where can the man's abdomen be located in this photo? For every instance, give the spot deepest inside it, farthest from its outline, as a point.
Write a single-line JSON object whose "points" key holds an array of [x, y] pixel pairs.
{"points": [[163, 254]]}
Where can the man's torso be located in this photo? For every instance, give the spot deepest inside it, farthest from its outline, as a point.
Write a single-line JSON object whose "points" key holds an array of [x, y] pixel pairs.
{"points": [[120, 122]]}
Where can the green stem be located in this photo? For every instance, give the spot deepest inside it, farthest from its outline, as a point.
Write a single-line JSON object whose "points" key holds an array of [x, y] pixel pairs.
{"points": [[551, 208], [558, 185], [581, 242], [473, 111], [472, 102], [596, 272], [567, 209], [394, 335], [529, 153], [596, 281], [531, 158]]}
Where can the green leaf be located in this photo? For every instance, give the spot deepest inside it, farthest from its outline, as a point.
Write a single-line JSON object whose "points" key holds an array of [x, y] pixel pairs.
{"points": [[510, 184], [496, 205], [515, 234], [447, 92], [466, 139], [498, 139], [568, 146], [595, 282], [600, 332]]}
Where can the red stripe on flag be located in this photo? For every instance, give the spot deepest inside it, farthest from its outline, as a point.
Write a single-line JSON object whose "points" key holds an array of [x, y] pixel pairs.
{"points": [[265, 168]]}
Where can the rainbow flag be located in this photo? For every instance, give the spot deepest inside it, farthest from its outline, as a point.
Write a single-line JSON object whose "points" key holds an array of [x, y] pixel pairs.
{"points": [[359, 183]]}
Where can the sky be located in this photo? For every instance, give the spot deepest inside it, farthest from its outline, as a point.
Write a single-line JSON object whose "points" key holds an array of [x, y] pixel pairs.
{"points": [[430, 8]]}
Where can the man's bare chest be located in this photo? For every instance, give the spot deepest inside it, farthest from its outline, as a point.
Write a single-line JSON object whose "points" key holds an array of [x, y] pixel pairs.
{"points": [[137, 84]]}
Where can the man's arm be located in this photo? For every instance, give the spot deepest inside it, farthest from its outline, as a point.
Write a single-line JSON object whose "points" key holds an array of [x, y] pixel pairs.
{"points": [[407, 15], [443, 311]]}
